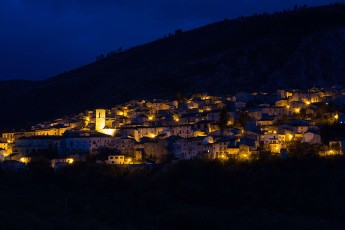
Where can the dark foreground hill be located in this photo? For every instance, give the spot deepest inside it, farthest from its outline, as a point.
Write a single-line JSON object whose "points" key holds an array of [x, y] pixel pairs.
{"points": [[300, 48], [291, 194]]}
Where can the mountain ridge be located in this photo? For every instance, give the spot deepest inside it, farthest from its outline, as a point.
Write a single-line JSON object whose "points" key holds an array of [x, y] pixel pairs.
{"points": [[300, 48]]}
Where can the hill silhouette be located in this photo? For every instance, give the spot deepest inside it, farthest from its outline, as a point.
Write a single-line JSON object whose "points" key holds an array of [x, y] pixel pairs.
{"points": [[298, 48]]}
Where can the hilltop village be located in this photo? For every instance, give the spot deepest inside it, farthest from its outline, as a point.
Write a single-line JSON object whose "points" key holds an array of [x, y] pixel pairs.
{"points": [[141, 132]]}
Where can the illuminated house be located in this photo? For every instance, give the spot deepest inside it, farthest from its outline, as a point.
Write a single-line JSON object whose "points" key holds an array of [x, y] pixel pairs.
{"points": [[74, 142], [311, 138], [282, 103], [116, 160], [267, 137], [184, 131], [336, 146], [283, 94], [9, 137], [2, 155], [6, 147], [274, 111], [189, 148], [56, 130], [124, 144], [155, 149], [255, 114], [35, 144], [274, 144], [203, 126], [193, 105], [160, 105], [213, 115], [100, 123], [266, 121], [299, 126], [295, 107], [220, 147], [147, 131], [252, 144], [61, 162]]}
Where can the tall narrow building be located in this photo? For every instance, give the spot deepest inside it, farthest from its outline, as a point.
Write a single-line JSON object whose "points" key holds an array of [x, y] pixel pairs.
{"points": [[100, 120]]}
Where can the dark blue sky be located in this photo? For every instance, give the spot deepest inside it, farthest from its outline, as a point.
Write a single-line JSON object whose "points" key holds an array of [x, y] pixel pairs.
{"points": [[41, 38]]}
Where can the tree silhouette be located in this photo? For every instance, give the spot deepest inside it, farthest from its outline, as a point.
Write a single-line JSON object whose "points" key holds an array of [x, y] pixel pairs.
{"points": [[223, 119]]}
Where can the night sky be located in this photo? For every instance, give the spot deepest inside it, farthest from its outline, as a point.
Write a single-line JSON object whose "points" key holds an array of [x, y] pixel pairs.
{"points": [[41, 38]]}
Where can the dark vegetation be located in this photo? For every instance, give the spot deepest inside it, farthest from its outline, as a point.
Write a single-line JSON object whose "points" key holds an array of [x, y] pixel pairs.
{"points": [[299, 48], [332, 132], [298, 193]]}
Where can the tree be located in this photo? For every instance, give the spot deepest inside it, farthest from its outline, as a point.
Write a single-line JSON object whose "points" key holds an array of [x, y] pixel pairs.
{"points": [[178, 31], [243, 118], [223, 119], [298, 149], [180, 98]]}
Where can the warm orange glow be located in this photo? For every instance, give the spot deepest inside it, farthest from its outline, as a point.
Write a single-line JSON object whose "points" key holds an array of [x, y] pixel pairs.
{"points": [[336, 116], [110, 132], [24, 160], [222, 156], [176, 118], [151, 117], [297, 110], [69, 160], [199, 134]]}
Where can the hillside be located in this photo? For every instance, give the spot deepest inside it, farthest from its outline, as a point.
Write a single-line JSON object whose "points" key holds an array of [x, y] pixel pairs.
{"points": [[277, 194], [301, 48]]}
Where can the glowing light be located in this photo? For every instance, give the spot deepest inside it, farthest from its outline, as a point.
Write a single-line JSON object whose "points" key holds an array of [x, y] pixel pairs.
{"points": [[69, 160], [152, 135], [222, 156], [290, 136], [331, 152], [307, 102], [150, 117], [176, 118], [24, 160], [110, 132], [336, 116], [245, 156], [297, 110]]}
